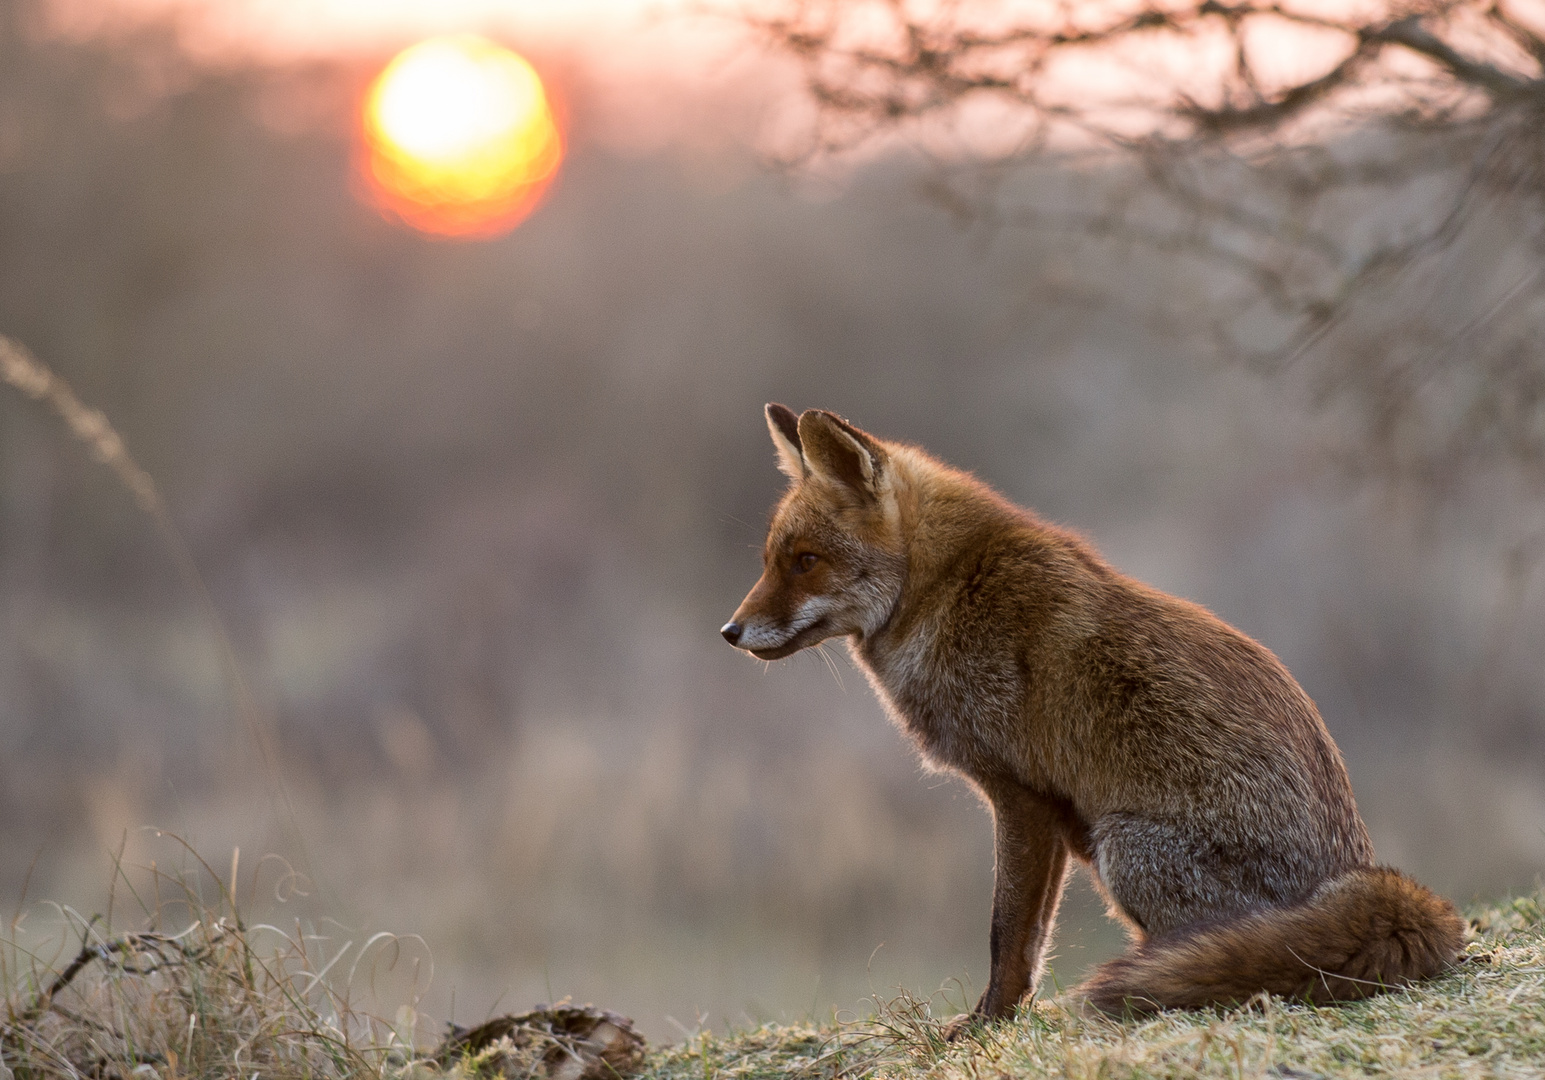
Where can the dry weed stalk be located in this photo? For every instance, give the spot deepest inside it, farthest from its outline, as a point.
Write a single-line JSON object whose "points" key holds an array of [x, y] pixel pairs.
{"points": [[24, 371]]}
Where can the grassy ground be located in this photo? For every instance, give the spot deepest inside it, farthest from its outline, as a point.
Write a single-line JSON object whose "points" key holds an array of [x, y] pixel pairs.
{"points": [[1485, 1019], [195, 992]]}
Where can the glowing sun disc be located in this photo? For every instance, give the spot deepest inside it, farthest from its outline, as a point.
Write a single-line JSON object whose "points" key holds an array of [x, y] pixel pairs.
{"points": [[460, 137]]}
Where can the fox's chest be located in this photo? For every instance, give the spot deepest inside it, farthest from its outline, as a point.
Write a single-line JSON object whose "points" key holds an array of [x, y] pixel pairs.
{"points": [[963, 709]]}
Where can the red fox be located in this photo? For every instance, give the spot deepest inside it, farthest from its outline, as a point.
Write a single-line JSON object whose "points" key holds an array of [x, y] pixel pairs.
{"points": [[1100, 720]]}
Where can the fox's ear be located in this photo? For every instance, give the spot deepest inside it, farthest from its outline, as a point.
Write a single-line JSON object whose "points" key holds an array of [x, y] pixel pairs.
{"points": [[837, 451], [784, 426]]}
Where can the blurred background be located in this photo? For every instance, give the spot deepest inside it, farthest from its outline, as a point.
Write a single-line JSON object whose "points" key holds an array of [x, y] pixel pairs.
{"points": [[472, 511]]}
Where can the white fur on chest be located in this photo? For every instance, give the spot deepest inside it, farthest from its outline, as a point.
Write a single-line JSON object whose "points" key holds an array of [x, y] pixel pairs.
{"points": [[922, 695]]}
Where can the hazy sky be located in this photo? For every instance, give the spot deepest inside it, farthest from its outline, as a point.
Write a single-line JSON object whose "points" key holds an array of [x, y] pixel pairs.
{"points": [[662, 62], [655, 72], [289, 28]]}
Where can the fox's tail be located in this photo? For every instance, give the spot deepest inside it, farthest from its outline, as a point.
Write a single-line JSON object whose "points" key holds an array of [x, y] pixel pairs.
{"points": [[1368, 930]]}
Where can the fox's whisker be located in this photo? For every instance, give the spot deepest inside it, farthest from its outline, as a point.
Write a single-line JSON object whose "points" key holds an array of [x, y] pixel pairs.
{"points": [[831, 665]]}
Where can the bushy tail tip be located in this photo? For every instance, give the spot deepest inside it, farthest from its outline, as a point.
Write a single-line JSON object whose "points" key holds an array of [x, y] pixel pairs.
{"points": [[1368, 930]]}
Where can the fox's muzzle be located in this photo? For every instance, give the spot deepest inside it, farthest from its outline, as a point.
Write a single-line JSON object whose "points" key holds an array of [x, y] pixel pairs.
{"points": [[771, 638]]}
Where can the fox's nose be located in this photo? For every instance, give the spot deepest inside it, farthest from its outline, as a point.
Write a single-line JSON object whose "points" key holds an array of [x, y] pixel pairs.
{"points": [[732, 632]]}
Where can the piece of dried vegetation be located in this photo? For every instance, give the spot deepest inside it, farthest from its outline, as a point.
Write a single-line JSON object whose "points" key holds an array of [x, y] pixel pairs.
{"points": [[557, 1042]]}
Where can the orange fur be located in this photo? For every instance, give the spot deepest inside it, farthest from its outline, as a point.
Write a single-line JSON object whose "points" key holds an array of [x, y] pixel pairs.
{"points": [[1101, 720]]}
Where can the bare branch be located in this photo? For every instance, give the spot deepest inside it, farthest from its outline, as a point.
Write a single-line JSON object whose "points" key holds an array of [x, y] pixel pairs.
{"points": [[1269, 114], [1412, 34], [1521, 35], [1316, 202]]}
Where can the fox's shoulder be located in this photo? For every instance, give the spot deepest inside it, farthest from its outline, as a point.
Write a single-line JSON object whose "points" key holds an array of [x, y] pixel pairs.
{"points": [[1044, 581], [965, 520]]}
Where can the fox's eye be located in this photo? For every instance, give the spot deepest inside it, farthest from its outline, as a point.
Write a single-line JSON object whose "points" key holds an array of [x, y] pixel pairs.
{"points": [[804, 562]]}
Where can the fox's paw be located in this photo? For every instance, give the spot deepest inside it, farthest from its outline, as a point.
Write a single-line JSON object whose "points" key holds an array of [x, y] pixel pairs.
{"points": [[956, 1026]]}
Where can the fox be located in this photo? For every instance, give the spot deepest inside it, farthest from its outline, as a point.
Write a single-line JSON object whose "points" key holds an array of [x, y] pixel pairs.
{"points": [[1102, 722]]}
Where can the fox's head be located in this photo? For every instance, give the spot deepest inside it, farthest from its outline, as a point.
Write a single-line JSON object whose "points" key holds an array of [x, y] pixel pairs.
{"points": [[834, 561]]}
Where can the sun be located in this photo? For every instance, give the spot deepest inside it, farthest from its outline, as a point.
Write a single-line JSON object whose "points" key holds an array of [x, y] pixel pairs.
{"points": [[460, 138]]}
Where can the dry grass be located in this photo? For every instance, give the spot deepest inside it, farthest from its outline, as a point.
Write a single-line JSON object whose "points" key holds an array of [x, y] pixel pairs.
{"points": [[191, 990], [1485, 1019]]}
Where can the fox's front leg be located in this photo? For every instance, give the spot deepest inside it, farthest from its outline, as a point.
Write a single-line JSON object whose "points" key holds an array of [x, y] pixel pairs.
{"points": [[1031, 861]]}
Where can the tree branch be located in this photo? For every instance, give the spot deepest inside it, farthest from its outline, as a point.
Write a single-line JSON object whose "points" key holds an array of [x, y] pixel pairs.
{"points": [[1411, 34]]}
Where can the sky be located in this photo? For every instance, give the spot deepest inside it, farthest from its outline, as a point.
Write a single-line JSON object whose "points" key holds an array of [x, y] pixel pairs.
{"points": [[287, 29], [656, 73], [662, 61]]}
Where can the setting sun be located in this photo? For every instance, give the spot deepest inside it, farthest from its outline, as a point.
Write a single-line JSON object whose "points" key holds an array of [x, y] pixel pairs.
{"points": [[460, 137]]}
